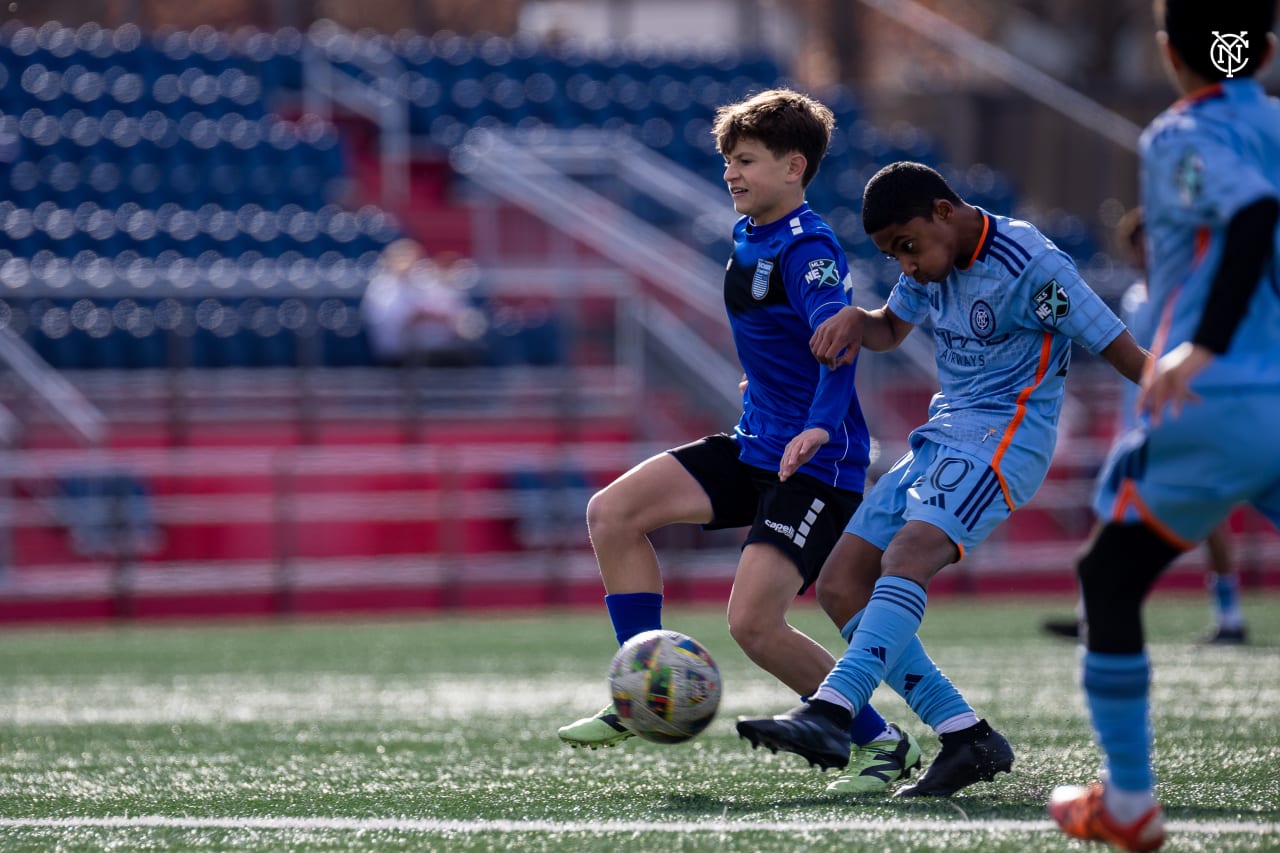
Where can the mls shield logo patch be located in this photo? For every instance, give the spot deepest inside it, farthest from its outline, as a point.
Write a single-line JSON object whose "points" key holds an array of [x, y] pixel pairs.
{"points": [[823, 273], [1051, 303], [1189, 177], [760, 283]]}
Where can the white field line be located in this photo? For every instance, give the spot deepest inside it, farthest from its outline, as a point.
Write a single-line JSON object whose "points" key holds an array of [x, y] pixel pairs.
{"points": [[430, 826]]}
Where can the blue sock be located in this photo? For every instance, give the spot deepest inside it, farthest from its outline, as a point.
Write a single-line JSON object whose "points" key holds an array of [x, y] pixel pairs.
{"points": [[867, 723], [885, 628], [1116, 689], [917, 679], [633, 613], [1226, 599], [866, 726]]}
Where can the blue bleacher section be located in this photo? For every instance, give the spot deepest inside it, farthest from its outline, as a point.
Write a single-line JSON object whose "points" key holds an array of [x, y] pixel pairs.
{"points": [[149, 183]]}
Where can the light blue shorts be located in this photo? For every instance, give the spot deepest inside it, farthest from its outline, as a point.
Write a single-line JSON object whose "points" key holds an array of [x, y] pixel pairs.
{"points": [[956, 492], [1185, 475]]}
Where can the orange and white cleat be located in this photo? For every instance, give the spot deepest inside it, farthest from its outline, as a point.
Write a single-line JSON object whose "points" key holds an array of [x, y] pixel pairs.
{"points": [[1081, 813]]}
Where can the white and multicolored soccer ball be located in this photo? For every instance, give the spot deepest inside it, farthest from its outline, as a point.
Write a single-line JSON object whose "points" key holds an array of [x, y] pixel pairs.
{"points": [[665, 686]]}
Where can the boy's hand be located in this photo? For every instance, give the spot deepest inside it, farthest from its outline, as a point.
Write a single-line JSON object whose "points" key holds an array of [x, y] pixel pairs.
{"points": [[838, 339], [1169, 384], [800, 450]]}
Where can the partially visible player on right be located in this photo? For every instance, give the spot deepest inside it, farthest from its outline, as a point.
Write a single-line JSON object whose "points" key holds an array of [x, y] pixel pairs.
{"points": [[1211, 192], [1222, 579]]}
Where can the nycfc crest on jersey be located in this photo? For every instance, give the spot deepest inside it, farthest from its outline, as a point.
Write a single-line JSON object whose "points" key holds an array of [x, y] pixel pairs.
{"points": [[760, 284]]}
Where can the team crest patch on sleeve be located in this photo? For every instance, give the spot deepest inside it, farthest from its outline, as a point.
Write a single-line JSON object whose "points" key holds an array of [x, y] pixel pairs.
{"points": [[823, 273], [1189, 177], [760, 283], [1051, 303]]}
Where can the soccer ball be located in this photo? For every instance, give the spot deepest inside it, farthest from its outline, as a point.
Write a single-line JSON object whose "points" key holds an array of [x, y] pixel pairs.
{"points": [[665, 686]]}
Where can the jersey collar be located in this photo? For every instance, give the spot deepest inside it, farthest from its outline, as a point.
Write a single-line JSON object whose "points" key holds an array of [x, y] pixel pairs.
{"points": [[762, 232], [988, 234]]}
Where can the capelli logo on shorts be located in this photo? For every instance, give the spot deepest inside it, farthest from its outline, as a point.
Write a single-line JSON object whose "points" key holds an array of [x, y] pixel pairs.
{"points": [[785, 529]]}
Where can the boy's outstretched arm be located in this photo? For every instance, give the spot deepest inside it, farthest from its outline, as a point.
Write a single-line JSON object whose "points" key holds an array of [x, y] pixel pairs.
{"points": [[1127, 357], [839, 338]]}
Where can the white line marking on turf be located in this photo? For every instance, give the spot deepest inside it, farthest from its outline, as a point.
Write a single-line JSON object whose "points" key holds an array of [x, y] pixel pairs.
{"points": [[427, 825]]}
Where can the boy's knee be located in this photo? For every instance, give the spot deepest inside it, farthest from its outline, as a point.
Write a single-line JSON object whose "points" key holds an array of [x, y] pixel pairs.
{"points": [[605, 513], [841, 597], [754, 633]]}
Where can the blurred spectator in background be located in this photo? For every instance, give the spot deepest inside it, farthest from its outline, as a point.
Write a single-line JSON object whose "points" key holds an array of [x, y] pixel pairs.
{"points": [[417, 313], [1228, 626]]}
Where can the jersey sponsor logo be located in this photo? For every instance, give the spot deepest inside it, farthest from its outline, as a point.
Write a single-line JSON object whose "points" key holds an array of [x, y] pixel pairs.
{"points": [[760, 283], [1051, 303], [982, 319], [963, 351], [1227, 52], [785, 529], [1188, 177], [823, 273]]}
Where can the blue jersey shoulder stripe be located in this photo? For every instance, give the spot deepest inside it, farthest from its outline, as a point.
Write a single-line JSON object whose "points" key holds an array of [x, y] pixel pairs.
{"points": [[1011, 264], [1008, 242]]}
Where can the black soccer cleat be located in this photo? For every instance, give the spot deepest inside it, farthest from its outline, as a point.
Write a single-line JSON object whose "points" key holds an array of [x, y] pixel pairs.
{"points": [[1223, 636], [1068, 629], [975, 754], [817, 731]]}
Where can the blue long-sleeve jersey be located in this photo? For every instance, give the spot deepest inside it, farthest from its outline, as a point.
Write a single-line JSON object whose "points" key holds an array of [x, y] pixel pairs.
{"points": [[782, 281]]}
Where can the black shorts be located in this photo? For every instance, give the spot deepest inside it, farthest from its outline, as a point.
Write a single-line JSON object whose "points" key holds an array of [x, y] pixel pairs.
{"points": [[803, 517]]}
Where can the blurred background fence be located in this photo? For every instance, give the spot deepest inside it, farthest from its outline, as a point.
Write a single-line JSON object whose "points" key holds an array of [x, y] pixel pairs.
{"points": [[193, 420]]}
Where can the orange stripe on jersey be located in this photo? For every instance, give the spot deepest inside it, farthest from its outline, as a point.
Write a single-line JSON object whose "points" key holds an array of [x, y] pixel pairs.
{"points": [[1207, 93], [982, 241], [1128, 498], [1046, 348]]}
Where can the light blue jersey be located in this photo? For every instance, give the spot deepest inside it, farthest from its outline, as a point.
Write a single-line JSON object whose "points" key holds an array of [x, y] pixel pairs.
{"points": [[1203, 160], [1003, 327]]}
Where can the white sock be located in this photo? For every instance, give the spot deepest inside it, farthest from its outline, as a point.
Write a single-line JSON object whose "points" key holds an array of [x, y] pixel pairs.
{"points": [[826, 694], [956, 723], [1127, 806]]}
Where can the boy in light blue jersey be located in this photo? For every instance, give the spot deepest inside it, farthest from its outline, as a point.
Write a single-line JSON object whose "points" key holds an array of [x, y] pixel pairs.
{"points": [[1210, 185], [1005, 305]]}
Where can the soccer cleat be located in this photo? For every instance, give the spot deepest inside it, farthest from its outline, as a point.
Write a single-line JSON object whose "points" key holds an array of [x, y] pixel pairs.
{"points": [[1081, 813], [975, 754], [1223, 636], [600, 729], [1066, 628], [817, 731], [875, 766]]}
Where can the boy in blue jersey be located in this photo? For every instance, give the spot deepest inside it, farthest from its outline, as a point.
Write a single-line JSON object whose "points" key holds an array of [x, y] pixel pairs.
{"points": [[1210, 188], [1005, 305], [794, 468]]}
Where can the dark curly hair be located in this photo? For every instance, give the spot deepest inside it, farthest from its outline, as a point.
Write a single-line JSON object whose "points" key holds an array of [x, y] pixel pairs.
{"points": [[900, 192]]}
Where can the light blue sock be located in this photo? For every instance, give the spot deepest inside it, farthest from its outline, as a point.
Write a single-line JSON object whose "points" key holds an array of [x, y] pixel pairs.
{"points": [[931, 695], [917, 679], [633, 613], [868, 724], [886, 626], [1116, 688]]}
